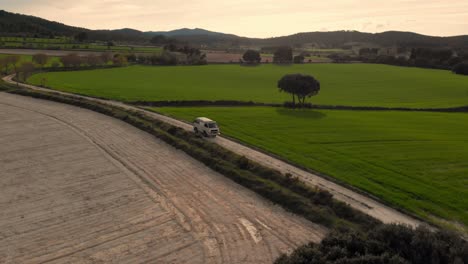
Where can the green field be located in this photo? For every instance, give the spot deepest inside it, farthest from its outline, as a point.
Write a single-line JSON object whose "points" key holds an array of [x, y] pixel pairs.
{"points": [[315, 50], [342, 84], [36, 40], [414, 160], [68, 44]]}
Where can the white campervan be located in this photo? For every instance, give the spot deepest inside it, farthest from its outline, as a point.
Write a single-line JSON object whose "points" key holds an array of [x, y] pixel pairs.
{"points": [[206, 127]]}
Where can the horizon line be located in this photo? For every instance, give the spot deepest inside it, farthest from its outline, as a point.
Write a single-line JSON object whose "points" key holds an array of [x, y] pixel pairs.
{"points": [[279, 36]]}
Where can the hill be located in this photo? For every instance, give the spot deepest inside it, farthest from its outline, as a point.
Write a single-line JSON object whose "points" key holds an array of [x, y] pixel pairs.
{"points": [[187, 32], [24, 25], [12, 24], [389, 38], [30, 25]]}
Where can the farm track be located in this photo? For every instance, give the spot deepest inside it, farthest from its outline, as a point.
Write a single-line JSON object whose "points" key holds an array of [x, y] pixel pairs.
{"points": [[78, 186], [359, 201]]}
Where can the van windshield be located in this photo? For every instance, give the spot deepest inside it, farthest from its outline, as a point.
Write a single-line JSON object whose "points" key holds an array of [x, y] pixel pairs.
{"points": [[212, 125]]}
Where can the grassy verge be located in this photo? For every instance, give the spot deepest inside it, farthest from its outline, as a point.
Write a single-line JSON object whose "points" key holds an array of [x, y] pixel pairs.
{"points": [[314, 204]]}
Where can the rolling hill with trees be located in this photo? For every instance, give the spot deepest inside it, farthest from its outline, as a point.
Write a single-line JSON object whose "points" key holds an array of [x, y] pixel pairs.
{"points": [[12, 24]]}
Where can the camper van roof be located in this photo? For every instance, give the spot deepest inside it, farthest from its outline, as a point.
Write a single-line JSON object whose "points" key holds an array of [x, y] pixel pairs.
{"points": [[204, 119]]}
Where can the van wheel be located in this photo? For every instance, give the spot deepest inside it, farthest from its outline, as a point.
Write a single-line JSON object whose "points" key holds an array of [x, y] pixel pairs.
{"points": [[205, 134]]}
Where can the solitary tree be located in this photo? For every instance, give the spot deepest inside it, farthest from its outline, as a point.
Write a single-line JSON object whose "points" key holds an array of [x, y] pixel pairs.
{"points": [[252, 56], [25, 70], [119, 60], [93, 60], [71, 60], [283, 55], [40, 59], [106, 57], [300, 86], [13, 61], [299, 59], [131, 57]]}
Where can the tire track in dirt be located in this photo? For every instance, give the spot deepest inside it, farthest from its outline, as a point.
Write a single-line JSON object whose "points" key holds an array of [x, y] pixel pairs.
{"points": [[130, 198]]}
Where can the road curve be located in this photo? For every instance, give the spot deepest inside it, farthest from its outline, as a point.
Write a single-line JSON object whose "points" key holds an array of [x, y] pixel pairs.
{"points": [[79, 186], [358, 201]]}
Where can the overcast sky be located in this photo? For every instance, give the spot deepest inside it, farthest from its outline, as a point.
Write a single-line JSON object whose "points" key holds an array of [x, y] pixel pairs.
{"points": [[255, 18]]}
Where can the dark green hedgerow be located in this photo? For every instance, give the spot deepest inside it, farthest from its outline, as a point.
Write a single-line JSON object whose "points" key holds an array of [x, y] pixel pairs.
{"points": [[5, 87], [383, 244], [314, 204]]}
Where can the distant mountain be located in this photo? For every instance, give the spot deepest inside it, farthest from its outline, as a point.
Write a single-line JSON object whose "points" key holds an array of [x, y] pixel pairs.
{"points": [[187, 32], [389, 38], [124, 35], [199, 36], [23, 25]]}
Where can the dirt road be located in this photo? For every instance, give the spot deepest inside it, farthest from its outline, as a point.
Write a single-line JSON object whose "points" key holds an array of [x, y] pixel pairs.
{"points": [[78, 186], [361, 202]]}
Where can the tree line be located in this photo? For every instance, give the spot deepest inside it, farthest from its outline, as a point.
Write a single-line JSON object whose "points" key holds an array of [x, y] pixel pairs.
{"points": [[172, 55], [440, 58], [281, 55]]}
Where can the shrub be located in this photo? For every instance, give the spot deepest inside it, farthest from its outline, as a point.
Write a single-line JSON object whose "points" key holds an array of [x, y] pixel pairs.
{"points": [[387, 244], [243, 163], [293, 105], [55, 64], [252, 57], [283, 55], [299, 59], [461, 68]]}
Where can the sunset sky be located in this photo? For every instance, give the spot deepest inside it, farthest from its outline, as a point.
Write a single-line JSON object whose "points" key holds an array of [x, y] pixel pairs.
{"points": [[255, 18]]}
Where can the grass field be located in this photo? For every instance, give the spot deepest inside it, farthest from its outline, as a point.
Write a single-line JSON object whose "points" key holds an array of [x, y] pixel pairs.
{"points": [[315, 50], [36, 40], [342, 84], [68, 44], [417, 161]]}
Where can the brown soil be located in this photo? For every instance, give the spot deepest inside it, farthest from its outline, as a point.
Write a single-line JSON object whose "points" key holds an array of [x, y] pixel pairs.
{"points": [[78, 186]]}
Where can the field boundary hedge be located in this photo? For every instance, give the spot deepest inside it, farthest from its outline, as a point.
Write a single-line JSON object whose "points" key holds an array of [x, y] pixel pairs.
{"points": [[200, 103], [196, 103], [313, 204]]}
